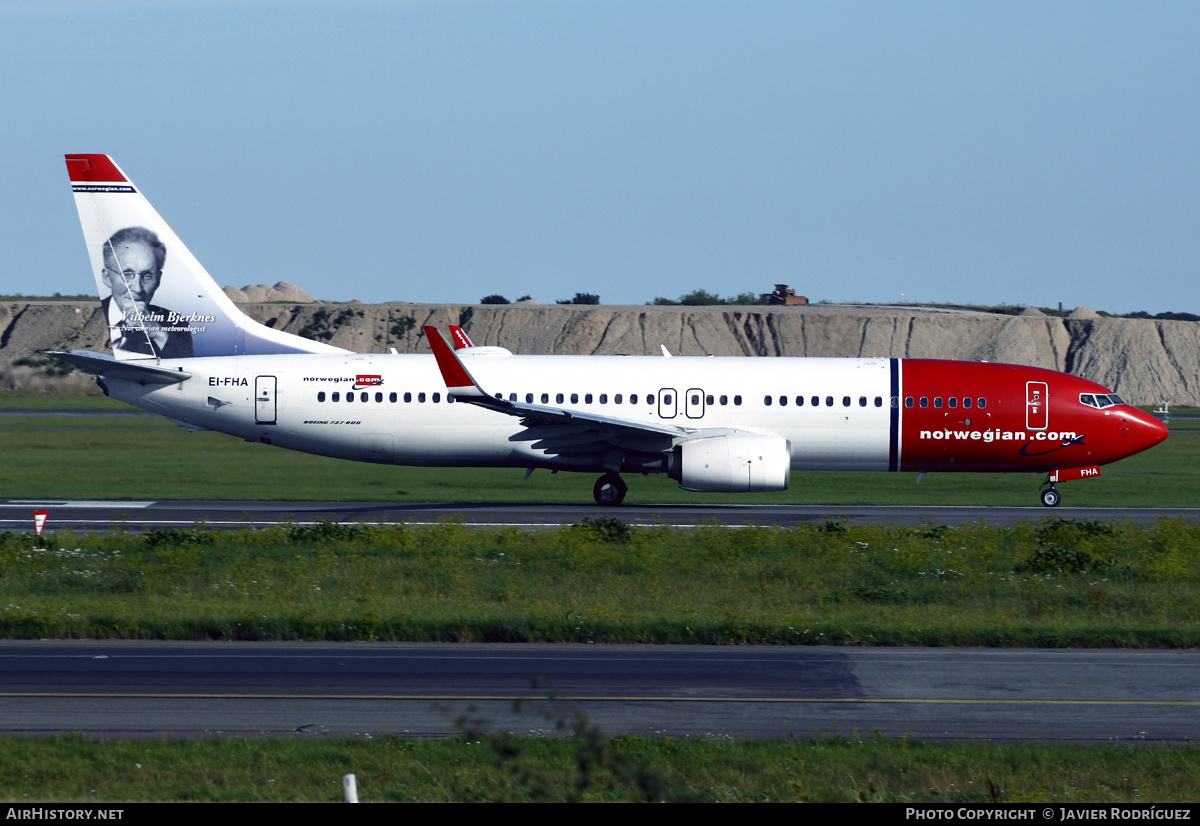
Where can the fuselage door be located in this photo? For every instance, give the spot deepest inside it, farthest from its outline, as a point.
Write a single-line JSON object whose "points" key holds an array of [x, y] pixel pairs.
{"points": [[693, 403], [264, 399], [1037, 398], [667, 403]]}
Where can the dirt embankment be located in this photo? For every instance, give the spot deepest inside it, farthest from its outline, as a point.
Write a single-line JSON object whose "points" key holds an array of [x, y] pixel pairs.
{"points": [[1145, 361]]}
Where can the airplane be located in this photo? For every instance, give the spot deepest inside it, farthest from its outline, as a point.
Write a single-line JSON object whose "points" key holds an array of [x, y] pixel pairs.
{"points": [[182, 349]]}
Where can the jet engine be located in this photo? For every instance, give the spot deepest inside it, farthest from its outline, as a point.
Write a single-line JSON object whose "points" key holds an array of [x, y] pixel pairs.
{"points": [[739, 462]]}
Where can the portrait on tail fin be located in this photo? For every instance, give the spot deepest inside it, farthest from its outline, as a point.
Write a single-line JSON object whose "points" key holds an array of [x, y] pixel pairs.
{"points": [[132, 270]]}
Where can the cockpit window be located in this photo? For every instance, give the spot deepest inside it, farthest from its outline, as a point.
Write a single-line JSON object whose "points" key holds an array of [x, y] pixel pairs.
{"points": [[1100, 400]]}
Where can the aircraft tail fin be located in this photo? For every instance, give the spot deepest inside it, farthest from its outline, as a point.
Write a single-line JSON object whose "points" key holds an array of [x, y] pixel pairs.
{"points": [[158, 300], [461, 340]]}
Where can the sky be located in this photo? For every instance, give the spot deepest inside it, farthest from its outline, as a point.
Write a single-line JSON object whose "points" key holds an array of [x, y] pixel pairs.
{"points": [[1024, 153]]}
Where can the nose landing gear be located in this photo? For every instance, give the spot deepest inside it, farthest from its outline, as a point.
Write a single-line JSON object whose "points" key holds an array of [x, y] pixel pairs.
{"points": [[1050, 497], [610, 490]]}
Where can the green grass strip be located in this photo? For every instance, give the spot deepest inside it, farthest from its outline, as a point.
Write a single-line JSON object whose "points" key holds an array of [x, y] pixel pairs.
{"points": [[1049, 583], [585, 765]]}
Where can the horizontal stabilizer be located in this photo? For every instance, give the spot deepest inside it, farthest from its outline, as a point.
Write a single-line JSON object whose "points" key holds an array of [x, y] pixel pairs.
{"points": [[107, 366]]}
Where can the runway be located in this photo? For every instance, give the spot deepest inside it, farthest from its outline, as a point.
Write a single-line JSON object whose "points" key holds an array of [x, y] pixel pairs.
{"points": [[17, 514], [170, 690]]}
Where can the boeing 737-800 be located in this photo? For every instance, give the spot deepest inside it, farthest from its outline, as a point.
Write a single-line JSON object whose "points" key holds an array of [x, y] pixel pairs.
{"points": [[181, 348]]}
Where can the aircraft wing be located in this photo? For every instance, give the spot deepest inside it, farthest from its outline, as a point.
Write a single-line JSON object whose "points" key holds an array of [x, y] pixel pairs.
{"points": [[556, 429]]}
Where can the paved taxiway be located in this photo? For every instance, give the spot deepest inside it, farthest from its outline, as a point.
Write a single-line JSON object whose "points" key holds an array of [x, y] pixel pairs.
{"points": [[156, 689], [17, 514]]}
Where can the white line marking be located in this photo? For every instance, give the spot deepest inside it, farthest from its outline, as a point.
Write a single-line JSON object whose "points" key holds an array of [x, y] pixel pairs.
{"points": [[75, 503]]}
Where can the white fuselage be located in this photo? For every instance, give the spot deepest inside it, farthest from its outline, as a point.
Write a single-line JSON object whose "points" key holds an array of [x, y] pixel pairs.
{"points": [[395, 408]]}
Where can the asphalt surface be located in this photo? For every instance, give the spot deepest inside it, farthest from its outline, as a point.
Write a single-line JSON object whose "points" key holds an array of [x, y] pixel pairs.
{"points": [[17, 514], [153, 689]]}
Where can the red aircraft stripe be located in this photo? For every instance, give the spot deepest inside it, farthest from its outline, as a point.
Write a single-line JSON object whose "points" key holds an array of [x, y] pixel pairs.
{"points": [[96, 169]]}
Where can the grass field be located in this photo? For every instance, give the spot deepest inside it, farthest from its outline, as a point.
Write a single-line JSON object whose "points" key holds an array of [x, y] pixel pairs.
{"points": [[148, 457], [589, 767], [1051, 583]]}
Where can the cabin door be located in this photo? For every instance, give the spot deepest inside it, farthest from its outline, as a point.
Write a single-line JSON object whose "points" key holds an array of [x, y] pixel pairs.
{"points": [[1037, 398], [264, 399]]}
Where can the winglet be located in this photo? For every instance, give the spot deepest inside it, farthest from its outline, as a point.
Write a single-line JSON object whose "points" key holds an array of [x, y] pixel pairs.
{"points": [[458, 381]]}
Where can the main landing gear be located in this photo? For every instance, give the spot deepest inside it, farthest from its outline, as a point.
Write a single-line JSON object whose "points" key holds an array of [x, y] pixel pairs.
{"points": [[610, 490]]}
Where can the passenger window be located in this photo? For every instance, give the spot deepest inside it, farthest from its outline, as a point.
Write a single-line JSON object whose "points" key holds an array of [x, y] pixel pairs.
{"points": [[829, 401], [767, 401], [937, 401], [603, 398], [783, 401], [421, 398], [437, 397], [649, 398], [633, 398], [512, 397], [378, 397], [708, 399], [879, 401], [668, 399], [953, 402], [408, 398], [574, 398], [799, 401], [528, 398], [392, 398], [845, 401], [545, 398], [981, 402], [558, 398], [724, 400], [967, 401], [587, 399], [737, 400], [908, 401], [617, 399], [349, 397], [862, 401], [321, 396], [336, 397], [816, 401], [924, 401]]}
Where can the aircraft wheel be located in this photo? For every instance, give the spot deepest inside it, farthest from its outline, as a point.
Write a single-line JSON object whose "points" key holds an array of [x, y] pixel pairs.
{"points": [[1050, 497], [610, 490]]}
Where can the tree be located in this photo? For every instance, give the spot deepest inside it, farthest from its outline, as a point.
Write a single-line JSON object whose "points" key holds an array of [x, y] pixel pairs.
{"points": [[581, 298], [494, 299]]}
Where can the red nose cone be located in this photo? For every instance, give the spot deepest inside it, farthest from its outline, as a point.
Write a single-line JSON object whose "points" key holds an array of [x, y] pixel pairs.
{"points": [[1143, 430]]}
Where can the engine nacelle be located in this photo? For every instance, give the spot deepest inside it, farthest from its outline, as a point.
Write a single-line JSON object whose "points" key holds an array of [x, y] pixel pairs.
{"points": [[742, 462]]}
